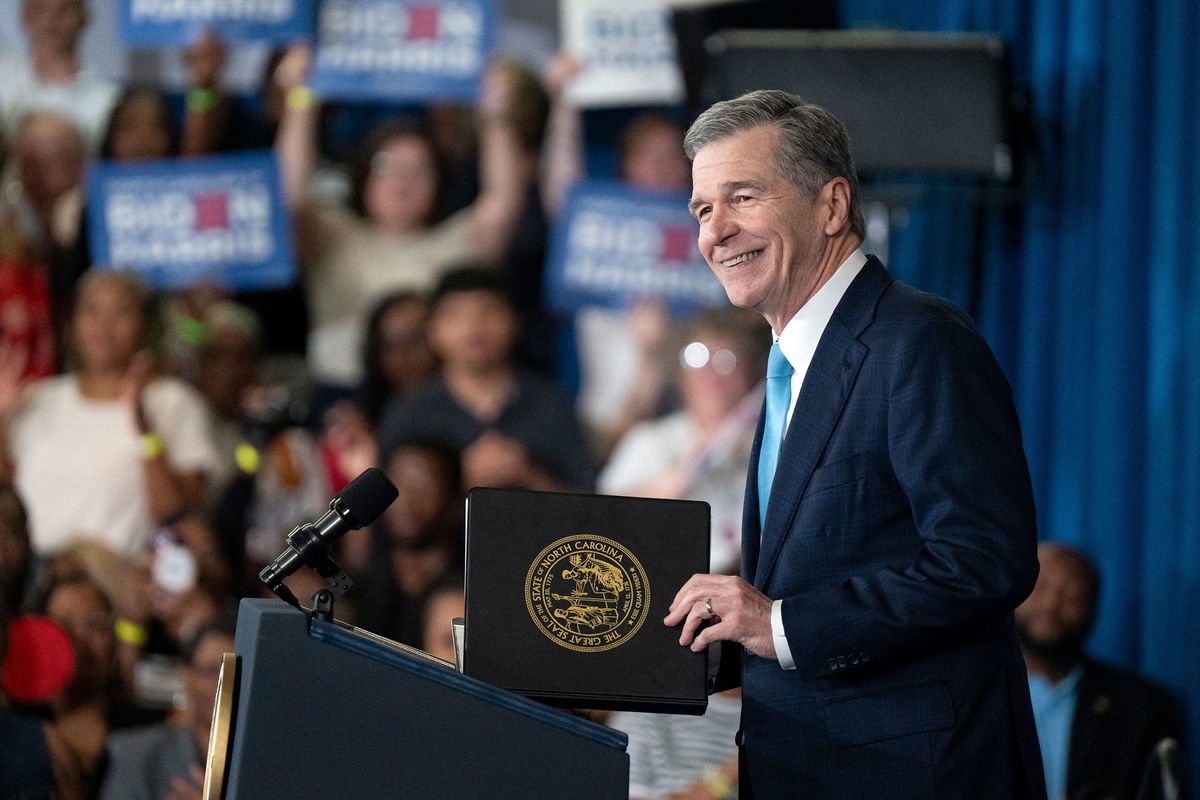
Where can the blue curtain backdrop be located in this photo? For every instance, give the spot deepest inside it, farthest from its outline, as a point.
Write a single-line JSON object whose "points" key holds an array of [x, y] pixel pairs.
{"points": [[1088, 293]]}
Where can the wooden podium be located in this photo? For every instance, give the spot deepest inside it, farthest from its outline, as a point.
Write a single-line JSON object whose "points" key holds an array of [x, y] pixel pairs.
{"points": [[316, 709]]}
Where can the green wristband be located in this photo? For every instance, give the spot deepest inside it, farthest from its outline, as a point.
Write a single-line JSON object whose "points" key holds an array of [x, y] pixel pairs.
{"points": [[202, 99]]}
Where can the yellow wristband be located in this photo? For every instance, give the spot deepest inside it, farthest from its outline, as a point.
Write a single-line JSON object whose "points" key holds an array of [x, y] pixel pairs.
{"points": [[130, 632], [247, 457], [300, 98], [152, 445]]}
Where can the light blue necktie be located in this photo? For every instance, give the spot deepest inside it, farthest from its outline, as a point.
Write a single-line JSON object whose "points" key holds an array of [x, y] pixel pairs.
{"points": [[779, 397]]}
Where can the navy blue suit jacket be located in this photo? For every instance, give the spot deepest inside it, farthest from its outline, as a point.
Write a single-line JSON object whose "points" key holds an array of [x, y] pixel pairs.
{"points": [[900, 535]]}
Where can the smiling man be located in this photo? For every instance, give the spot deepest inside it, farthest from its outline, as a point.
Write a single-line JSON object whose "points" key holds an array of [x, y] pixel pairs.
{"points": [[888, 528]]}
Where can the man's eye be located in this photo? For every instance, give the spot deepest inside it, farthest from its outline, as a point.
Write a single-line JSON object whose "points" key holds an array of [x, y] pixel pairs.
{"points": [[742, 198]]}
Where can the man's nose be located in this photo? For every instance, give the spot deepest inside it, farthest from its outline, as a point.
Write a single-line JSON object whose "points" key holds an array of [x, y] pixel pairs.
{"points": [[719, 227]]}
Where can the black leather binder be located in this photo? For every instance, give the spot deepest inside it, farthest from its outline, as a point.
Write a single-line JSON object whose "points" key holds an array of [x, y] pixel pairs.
{"points": [[566, 594]]}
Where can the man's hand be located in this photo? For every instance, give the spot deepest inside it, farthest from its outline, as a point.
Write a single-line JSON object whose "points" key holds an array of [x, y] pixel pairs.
{"points": [[739, 613]]}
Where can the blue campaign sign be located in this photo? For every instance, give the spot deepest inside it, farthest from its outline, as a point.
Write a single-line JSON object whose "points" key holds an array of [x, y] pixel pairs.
{"points": [[614, 244], [403, 50], [178, 222], [167, 22]]}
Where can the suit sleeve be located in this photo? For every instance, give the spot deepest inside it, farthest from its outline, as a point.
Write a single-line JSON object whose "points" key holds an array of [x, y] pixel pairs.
{"points": [[954, 447]]}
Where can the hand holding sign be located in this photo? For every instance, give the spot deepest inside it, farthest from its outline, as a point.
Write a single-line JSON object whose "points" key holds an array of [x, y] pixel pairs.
{"points": [[628, 49], [295, 68], [205, 60], [563, 68], [499, 94]]}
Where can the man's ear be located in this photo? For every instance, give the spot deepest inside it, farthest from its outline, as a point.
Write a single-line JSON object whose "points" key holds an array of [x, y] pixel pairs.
{"points": [[835, 205]]}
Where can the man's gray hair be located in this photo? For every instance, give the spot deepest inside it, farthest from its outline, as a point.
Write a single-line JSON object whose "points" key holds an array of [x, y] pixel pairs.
{"points": [[813, 147]]}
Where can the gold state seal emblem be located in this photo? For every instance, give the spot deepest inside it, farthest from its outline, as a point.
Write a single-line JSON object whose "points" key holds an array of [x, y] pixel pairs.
{"points": [[587, 593]]}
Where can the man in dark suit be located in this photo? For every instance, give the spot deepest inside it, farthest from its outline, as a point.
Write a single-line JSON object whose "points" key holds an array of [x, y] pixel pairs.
{"points": [[1105, 733], [888, 530]]}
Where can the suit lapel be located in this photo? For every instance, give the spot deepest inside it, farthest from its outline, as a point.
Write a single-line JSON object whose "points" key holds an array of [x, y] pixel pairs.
{"points": [[827, 384], [750, 526], [1089, 726]]}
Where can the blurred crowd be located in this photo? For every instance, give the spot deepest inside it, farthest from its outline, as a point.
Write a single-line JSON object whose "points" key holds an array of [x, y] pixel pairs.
{"points": [[158, 447]]}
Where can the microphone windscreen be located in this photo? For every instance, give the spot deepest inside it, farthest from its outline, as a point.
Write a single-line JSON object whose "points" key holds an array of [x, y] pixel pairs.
{"points": [[366, 497]]}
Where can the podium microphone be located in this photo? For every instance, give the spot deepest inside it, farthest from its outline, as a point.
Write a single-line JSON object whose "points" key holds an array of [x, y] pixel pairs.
{"points": [[310, 544]]}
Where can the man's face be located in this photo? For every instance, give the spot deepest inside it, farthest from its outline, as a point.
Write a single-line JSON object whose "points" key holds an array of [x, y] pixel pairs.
{"points": [[227, 366], [758, 232], [1054, 619], [54, 24], [474, 329], [49, 158]]}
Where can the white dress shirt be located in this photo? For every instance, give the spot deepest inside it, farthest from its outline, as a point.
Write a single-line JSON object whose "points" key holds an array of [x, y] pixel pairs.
{"points": [[798, 340]]}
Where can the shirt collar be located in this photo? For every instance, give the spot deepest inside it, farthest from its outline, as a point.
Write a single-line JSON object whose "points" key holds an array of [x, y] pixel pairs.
{"points": [[1064, 688], [803, 331]]}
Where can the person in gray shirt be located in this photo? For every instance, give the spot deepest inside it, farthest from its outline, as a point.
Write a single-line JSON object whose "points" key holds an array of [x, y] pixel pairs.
{"points": [[166, 762]]}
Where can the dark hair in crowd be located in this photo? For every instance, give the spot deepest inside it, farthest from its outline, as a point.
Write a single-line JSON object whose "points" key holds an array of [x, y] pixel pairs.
{"points": [[375, 387], [446, 460], [74, 577], [224, 624], [471, 278], [130, 96], [531, 104]]}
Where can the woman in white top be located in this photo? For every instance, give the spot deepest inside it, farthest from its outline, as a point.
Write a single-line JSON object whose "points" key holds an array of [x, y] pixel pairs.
{"points": [[392, 238], [106, 452]]}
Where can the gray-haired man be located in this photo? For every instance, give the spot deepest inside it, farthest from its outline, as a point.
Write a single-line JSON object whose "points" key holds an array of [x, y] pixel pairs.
{"points": [[888, 530]]}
